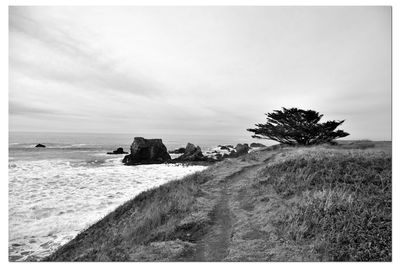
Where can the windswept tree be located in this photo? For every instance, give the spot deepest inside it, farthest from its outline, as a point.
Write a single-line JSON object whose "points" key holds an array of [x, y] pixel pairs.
{"points": [[298, 127]]}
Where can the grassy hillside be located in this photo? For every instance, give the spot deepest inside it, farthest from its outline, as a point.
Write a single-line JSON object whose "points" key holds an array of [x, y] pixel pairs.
{"points": [[340, 202], [281, 204]]}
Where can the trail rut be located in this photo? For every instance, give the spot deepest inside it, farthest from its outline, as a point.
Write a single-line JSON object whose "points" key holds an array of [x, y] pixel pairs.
{"points": [[214, 246]]}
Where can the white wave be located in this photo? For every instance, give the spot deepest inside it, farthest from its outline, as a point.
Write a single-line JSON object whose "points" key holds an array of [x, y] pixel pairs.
{"points": [[78, 145], [50, 201]]}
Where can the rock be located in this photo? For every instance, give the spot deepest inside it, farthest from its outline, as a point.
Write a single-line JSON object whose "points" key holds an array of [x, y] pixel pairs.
{"points": [[242, 149], [178, 151], [232, 154], [40, 145], [239, 150], [192, 153], [225, 147], [119, 150], [218, 156], [257, 145], [147, 151]]}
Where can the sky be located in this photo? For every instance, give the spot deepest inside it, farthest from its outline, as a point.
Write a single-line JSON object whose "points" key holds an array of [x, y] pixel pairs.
{"points": [[197, 70]]}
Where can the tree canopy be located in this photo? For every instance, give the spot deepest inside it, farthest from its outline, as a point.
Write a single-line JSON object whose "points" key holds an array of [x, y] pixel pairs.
{"points": [[298, 127]]}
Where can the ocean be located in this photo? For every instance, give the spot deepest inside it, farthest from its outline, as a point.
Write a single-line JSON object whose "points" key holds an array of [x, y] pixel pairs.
{"points": [[58, 191]]}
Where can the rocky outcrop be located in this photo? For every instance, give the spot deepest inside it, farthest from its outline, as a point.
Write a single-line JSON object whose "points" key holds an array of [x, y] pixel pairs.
{"points": [[192, 153], [242, 149], [238, 151], [178, 151], [254, 145], [218, 156], [40, 145], [119, 150], [228, 147], [147, 151]]}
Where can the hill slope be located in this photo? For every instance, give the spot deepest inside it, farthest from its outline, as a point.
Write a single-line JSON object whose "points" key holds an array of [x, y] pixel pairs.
{"points": [[288, 204]]}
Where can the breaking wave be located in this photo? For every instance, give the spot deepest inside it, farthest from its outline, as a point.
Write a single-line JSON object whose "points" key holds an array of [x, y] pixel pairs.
{"points": [[50, 201]]}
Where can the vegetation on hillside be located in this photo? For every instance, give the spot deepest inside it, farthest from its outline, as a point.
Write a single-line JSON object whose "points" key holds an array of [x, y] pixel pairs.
{"points": [[275, 204], [128, 233], [342, 204]]}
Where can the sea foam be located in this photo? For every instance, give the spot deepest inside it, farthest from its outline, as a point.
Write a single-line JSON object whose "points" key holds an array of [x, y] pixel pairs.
{"points": [[50, 201]]}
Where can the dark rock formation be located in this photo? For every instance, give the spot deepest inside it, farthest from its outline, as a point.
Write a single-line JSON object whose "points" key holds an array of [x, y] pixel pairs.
{"points": [[231, 154], [178, 151], [40, 145], [147, 151], [119, 150], [192, 153], [257, 145], [239, 150], [218, 156], [242, 149], [225, 147]]}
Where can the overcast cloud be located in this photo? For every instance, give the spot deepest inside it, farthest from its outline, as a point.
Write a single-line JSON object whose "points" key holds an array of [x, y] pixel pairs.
{"points": [[203, 70]]}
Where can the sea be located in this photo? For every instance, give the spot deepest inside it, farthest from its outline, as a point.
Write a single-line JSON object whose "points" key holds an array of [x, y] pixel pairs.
{"points": [[58, 191]]}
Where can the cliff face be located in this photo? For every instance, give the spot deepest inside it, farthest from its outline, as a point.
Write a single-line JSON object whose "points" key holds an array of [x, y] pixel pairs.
{"points": [[147, 151]]}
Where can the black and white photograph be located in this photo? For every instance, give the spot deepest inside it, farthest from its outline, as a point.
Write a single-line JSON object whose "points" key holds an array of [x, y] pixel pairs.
{"points": [[229, 133]]}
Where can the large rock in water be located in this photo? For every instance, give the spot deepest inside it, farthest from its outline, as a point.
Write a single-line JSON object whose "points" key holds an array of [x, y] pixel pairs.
{"points": [[192, 153], [40, 145], [180, 150], [147, 151], [119, 150]]}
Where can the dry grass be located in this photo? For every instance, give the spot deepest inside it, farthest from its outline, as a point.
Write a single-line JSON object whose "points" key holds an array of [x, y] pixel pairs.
{"points": [[356, 144], [171, 212], [341, 202], [295, 204]]}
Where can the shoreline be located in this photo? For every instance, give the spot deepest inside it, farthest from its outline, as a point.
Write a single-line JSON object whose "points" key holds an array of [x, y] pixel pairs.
{"points": [[219, 214], [71, 198]]}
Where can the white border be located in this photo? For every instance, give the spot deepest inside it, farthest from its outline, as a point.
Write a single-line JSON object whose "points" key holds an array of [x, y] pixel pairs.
{"points": [[4, 101]]}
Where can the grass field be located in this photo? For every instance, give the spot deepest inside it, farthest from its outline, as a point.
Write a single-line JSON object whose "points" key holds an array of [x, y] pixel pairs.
{"points": [[342, 206], [282, 204]]}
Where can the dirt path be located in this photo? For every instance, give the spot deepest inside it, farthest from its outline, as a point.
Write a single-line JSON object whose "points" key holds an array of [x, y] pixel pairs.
{"points": [[214, 246]]}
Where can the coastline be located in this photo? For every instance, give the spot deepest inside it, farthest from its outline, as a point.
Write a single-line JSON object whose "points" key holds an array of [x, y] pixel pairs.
{"points": [[233, 211], [61, 189], [59, 198]]}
